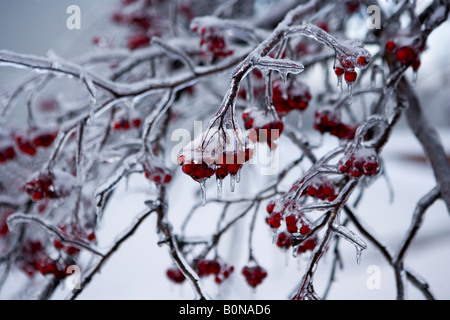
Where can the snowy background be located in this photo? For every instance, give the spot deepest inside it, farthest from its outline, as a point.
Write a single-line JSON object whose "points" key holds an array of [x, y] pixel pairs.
{"points": [[137, 270]]}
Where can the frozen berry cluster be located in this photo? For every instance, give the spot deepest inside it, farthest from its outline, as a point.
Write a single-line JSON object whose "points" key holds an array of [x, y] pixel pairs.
{"points": [[254, 275], [360, 162], [219, 270], [263, 126], [49, 185], [329, 120], [223, 155], [288, 96], [73, 232]]}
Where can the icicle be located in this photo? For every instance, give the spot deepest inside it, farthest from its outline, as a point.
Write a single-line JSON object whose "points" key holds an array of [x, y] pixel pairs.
{"points": [[283, 75], [232, 182], [92, 96], [347, 234], [350, 89], [238, 176], [358, 254], [294, 252], [414, 78], [219, 188], [339, 84], [203, 190]]}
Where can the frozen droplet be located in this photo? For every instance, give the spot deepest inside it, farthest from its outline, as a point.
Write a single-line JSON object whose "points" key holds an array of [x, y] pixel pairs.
{"points": [[294, 252], [232, 182], [283, 75], [219, 188], [414, 78], [350, 89], [203, 191], [358, 254], [238, 176], [339, 84]]}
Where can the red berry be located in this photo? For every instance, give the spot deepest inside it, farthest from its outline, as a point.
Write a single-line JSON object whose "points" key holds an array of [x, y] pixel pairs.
{"points": [[361, 61], [406, 55], [91, 237], [275, 219], [305, 229], [270, 206], [175, 275], [138, 40], [390, 46], [338, 71], [25, 146], [350, 75], [136, 122]]}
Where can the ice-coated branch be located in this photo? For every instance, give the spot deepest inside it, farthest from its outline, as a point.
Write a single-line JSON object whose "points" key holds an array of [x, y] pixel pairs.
{"points": [[165, 229], [417, 219], [321, 249], [141, 218], [175, 52], [429, 139], [24, 218], [138, 89], [382, 248]]}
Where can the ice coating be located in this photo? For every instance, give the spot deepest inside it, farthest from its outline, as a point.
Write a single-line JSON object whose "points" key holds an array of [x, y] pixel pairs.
{"points": [[214, 145]]}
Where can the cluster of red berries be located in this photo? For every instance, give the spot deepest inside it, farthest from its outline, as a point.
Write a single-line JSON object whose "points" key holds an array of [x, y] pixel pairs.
{"points": [[224, 166], [138, 40], [307, 245], [124, 122], [296, 224], [284, 243], [345, 65], [158, 175], [220, 271], [50, 185], [360, 162], [322, 189], [174, 274], [30, 140], [264, 126], [405, 54], [143, 24], [73, 232], [54, 267], [284, 240], [33, 258], [295, 221], [254, 275], [215, 159], [7, 151], [329, 120], [212, 42], [292, 96]]}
